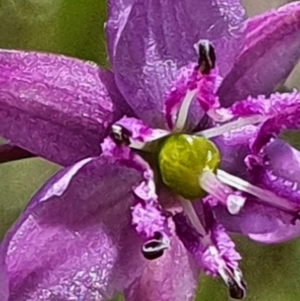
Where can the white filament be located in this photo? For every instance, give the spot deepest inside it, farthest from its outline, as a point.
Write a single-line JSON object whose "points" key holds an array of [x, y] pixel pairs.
{"points": [[233, 125], [147, 145], [192, 215], [183, 110], [264, 195]]}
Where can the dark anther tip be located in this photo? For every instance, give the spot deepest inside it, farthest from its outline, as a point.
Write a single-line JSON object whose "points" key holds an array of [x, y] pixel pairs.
{"points": [[154, 248], [207, 57], [237, 286], [236, 292], [120, 135], [152, 255]]}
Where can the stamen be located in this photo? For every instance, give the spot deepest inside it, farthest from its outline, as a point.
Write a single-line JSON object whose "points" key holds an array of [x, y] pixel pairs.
{"points": [[120, 135], [192, 215], [207, 56], [154, 248], [263, 195], [235, 283], [222, 129], [183, 110], [220, 192], [214, 252]]}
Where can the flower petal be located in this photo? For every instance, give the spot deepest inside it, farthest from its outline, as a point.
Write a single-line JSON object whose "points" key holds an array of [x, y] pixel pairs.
{"points": [[234, 147], [282, 111], [56, 107], [148, 218], [214, 251], [271, 128], [253, 218], [149, 40], [171, 277], [283, 160], [272, 48], [283, 233], [4, 287], [261, 223], [272, 105], [281, 176], [75, 240]]}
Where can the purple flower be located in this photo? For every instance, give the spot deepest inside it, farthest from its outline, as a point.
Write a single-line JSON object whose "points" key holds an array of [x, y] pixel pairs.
{"points": [[144, 200]]}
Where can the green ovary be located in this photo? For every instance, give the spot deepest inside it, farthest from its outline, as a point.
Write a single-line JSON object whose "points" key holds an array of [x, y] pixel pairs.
{"points": [[182, 159]]}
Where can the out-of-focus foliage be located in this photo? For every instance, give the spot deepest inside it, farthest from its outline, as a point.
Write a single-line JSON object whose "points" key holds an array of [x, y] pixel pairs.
{"points": [[18, 181], [74, 28], [71, 27]]}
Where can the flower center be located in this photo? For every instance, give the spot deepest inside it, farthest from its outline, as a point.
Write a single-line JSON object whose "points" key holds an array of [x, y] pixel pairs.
{"points": [[182, 158]]}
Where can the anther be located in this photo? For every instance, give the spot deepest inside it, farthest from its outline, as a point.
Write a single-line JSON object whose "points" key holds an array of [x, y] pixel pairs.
{"points": [[207, 57], [234, 281], [237, 286], [155, 247], [120, 135], [235, 292]]}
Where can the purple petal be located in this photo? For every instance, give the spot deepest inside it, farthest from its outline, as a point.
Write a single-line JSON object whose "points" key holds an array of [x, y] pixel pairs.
{"points": [[286, 119], [253, 218], [149, 40], [56, 107], [147, 217], [282, 234], [282, 111], [171, 277], [234, 147], [214, 251], [147, 220], [281, 175], [216, 237], [75, 240], [272, 48], [284, 160], [261, 223], [272, 105], [279, 172]]}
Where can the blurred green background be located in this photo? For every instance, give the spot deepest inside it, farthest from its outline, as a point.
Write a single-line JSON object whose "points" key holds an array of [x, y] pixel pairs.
{"points": [[74, 27]]}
